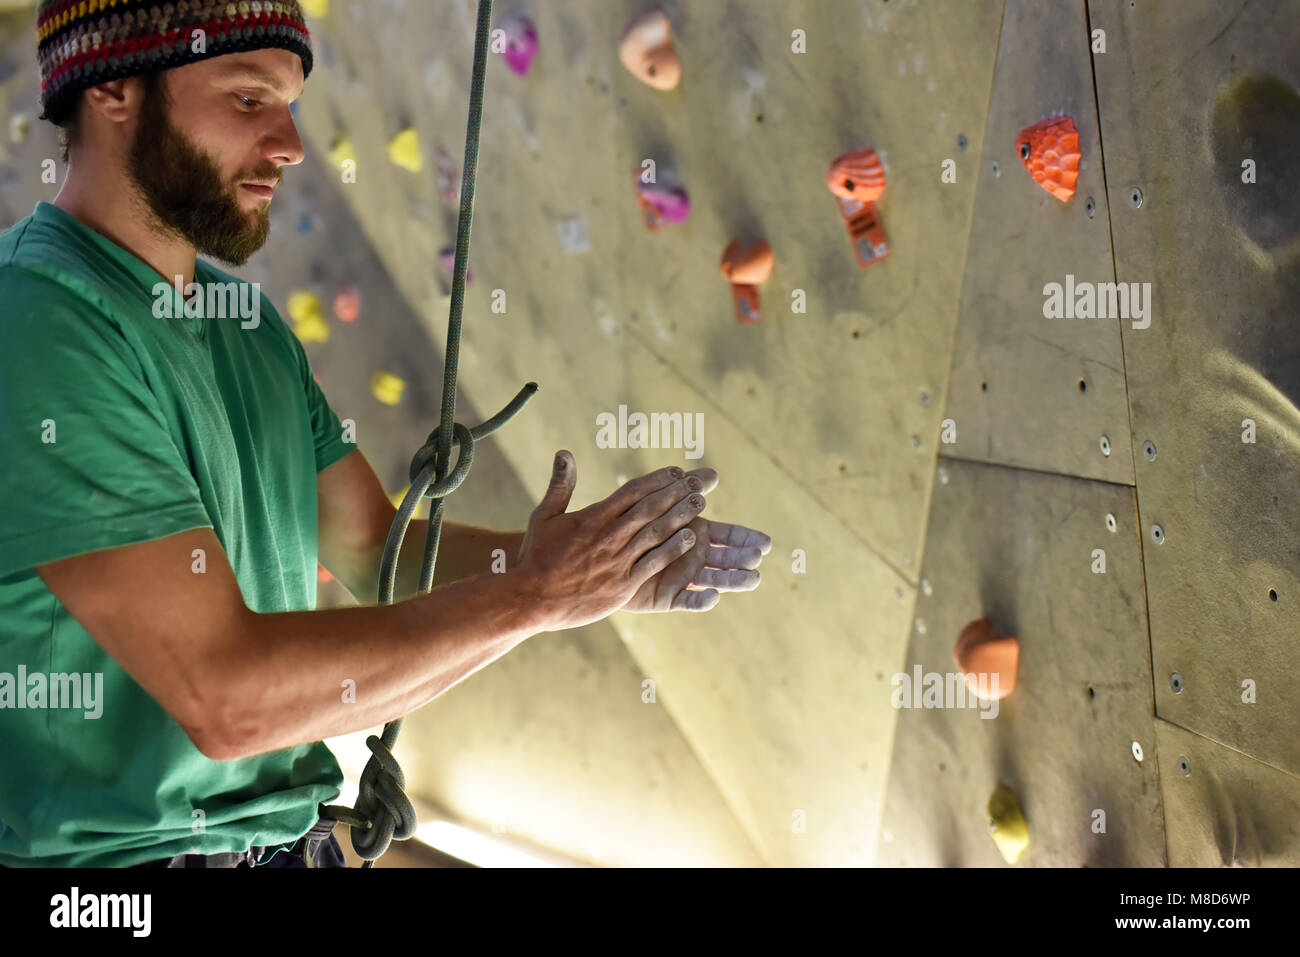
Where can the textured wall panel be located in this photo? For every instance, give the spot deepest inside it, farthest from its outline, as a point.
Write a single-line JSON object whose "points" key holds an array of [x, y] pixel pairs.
{"points": [[1222, 808], [1017, 547], [1028, 390], [1188, 92]]}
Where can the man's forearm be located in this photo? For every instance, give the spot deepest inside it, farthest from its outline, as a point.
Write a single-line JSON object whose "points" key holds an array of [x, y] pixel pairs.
{"points": [[463, 551], [296, 677]]}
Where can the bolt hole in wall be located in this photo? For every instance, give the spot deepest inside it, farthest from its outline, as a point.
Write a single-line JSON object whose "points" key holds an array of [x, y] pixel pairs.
{"points": [[1083, 386], [1091, 694], [1272, 594], [984, 387]]}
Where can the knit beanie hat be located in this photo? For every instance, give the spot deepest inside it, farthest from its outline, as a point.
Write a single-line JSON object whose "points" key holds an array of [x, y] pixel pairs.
{"points": [[82, 43]]}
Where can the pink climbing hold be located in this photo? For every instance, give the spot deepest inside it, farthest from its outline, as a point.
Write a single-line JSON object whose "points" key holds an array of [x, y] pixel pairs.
{"points": [[447, 260], [347, 304], [661, 205], [520, 47]]}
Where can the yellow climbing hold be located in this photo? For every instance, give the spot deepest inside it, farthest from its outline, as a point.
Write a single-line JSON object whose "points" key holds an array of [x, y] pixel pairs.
{"points": [[1007, 824], [396, 497], [404, 150], [342, 151], [315, 8], [308, 317], [387, 387]]}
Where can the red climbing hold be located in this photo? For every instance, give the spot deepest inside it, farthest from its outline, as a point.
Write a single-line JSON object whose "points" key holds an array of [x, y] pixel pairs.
{"points": [[1050, 152], [857, 180], [980, 650]]}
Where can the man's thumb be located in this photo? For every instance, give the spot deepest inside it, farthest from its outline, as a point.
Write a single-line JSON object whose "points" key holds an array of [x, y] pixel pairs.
{"points": [[564, 477]]}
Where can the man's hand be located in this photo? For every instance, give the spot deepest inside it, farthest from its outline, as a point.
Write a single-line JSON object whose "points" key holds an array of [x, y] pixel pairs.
{"points": [[724, 559]]}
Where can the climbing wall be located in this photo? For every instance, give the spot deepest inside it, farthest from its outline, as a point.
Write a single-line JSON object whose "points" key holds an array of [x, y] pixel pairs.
{"points": [[820, 421], [1149, 602], [1201, 171]]}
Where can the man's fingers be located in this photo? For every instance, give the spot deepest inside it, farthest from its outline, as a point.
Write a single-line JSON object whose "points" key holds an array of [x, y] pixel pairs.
{"points": [[727, 579], [687, 600], [728, 557], [738, 536], [707, 476]]}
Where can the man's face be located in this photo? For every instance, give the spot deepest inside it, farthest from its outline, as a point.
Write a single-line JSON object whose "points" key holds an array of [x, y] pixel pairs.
{"points": [[207, 155]]}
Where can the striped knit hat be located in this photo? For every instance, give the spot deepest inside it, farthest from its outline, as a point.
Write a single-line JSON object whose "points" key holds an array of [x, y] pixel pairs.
{"points": [[82, 43]]}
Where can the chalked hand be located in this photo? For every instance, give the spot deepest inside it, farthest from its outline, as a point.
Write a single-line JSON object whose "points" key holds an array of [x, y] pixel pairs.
{"points": [[725, 557]]}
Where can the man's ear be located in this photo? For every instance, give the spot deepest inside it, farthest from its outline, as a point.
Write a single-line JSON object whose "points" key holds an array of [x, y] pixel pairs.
{"points": [[114, 100]]}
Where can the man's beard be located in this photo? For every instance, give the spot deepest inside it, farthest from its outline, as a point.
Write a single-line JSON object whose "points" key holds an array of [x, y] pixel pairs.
{"points": [[183, 187]]}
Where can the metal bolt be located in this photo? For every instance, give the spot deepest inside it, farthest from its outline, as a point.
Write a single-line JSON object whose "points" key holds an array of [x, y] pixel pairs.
{"points": [[916, 441], [1149, 450], [962, 142], [1105, 445], [1090, 207], [1135, 197], [1137, 751], [925, 398], [1176, 682], [997, 170], [1111, 525], [1158, 534], [1184, 765]]}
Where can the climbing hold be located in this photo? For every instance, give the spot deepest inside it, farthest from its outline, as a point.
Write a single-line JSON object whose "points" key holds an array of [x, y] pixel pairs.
{"points": [[982, 651], [347, 304], [745, 267], [342, 151], [1050, 152], [647, 51], [447, 260], [447, 177], [1007, 824], [315, 8], [20, 125], [308, 317], [661, 205], [322, 574], [387, 387], [857, 180], [397, 497], [521, 43], [404, 150]]}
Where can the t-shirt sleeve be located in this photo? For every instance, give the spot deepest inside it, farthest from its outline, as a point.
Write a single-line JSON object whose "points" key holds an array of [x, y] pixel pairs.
{"points": [[89, 461], [327, 431]]}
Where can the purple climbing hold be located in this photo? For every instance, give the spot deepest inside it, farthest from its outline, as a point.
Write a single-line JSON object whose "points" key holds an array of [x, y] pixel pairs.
{"points": [[662, 204], [517, 42]]}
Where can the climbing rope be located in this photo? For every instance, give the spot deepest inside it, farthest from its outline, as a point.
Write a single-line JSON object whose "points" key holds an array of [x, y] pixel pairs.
{"points": [[383, 812]]}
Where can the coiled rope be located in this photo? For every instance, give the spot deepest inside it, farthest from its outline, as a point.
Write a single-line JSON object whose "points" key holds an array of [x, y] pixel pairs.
{"points": [[383, 812]]}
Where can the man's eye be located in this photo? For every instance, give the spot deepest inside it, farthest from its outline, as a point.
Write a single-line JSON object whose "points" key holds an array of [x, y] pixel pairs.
{"points": [[247, 101]]}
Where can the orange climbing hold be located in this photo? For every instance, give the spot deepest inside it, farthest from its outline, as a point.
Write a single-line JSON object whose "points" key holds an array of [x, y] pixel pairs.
{"points": [[1050, 152], [857, 179], [745, 267], [647, 51], [980, 650]]}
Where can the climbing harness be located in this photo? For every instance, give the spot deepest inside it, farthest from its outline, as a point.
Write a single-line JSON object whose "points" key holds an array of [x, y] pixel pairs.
{"points": [[383, 811]]}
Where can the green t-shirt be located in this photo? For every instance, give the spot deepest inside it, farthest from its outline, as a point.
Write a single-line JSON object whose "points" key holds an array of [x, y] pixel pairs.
{"points": [[159, 425]]}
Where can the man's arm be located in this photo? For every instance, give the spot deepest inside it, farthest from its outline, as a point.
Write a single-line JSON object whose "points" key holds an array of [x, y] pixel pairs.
{"points": [[354, 518], [241, 683]]}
